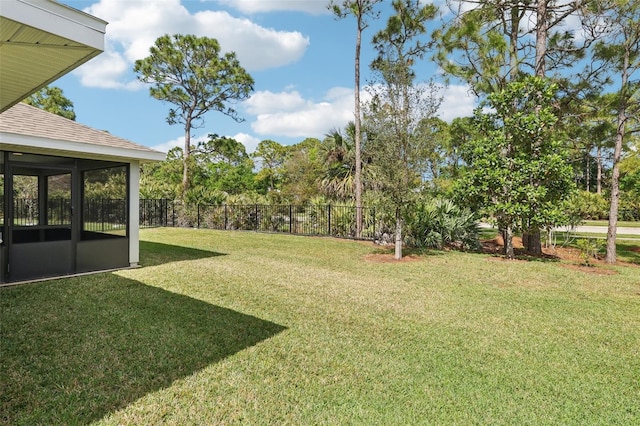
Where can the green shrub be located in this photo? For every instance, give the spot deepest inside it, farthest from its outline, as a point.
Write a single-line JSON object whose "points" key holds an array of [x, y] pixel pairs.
{"points": [[589, 205], [590, 248], [438, 223]]}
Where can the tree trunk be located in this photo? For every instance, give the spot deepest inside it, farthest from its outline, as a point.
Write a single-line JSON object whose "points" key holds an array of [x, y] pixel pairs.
{"points": [[398, 251], [358, 135], [534, 242], [185, 158], [613, 216], [615, 188], [507, 238], [599, 174], [588, 174], [617, 153], [541, 37]]}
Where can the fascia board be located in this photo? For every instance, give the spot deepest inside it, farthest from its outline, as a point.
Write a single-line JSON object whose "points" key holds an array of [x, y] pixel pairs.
{"points": [[58, 19], [35, 145]]}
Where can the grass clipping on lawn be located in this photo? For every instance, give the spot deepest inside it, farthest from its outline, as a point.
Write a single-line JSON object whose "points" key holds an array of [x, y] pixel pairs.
{"points": [[247, 328]]}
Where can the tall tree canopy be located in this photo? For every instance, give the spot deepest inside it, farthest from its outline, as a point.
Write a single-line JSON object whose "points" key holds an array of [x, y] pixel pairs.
{"points": [[190, 73], [52, 99], [271, 157]]}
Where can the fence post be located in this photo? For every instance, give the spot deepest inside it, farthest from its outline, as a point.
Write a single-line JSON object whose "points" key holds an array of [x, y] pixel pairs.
{"points": [[226, 218], [290, 219], [329, 219], [255, 226], [198, 215]]}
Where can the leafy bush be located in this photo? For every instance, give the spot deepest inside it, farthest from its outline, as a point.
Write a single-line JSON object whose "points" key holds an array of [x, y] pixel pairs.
{"points": [[589, 205], [589, 249], [438, 223]]}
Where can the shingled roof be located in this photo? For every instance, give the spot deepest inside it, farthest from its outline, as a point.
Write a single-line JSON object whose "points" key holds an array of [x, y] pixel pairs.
{"points": [[24, 127]]}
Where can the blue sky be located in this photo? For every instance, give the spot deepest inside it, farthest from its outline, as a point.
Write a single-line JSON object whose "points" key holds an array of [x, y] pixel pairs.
{"points": [[299, 55]]}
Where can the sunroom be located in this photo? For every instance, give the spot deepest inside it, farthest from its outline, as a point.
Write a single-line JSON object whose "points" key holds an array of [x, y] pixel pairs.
{"points": [[70, 196], [69, 193]]}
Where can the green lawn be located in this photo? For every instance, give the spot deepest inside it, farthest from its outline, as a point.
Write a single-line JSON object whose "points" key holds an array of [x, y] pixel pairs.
{"points": [[621, 223], [245, 328]]}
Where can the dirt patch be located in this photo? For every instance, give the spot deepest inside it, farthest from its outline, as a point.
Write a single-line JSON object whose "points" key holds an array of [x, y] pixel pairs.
{"points": [[496, 246], [389, 258], [568, 257]]}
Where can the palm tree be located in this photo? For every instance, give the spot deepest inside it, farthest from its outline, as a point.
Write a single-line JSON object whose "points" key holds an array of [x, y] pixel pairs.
{"points": [[338, 179]]}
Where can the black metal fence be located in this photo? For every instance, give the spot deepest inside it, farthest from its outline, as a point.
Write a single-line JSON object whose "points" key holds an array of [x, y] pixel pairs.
{"points": [[104, 215], [26, 211], [157, 213], [328, 220], [338, 221]]}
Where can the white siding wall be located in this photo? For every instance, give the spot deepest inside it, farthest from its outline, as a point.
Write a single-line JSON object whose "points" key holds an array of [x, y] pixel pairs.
{"points": [[134, 213]]}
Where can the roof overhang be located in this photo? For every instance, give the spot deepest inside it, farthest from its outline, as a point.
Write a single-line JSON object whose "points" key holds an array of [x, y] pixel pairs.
{"points": [[63, 148], [40, 41]]}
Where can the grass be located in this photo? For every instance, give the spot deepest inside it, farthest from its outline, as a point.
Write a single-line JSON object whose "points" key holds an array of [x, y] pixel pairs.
{"points": [[621, 223], [246, 328]]}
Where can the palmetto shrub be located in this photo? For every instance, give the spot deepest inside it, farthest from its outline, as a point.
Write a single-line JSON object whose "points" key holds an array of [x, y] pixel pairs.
{"points": [[439, 223]]}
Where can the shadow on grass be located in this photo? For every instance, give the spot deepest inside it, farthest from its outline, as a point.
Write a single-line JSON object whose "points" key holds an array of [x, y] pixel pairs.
{"points": [[152, 254], [629, 252], [74, 350]]}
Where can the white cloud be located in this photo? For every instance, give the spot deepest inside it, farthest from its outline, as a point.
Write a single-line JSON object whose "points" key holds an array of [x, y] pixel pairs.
{"points": [[455, 7], [106, 72], [256, 47], [135, 25], [266, 101], [168, 145], [250, 142], [314, 7], [179, 142], [288, 114], [457, 101]]}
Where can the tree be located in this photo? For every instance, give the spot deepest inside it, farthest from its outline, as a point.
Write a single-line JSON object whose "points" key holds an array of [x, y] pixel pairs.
{"points": [[190, 73], [52, 99], [434, 133], [516, 142], [619, 49], [303, 171], [398, 105], [480, 45], [224, 165], [360, 9], [630, 181], [163, 179], [488, 46], [461, 131], [271, 157], [339, 165], [221, 149]]}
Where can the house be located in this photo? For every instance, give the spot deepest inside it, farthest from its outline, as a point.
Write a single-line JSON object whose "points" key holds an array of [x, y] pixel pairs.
{"points": [[62, 225]]}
